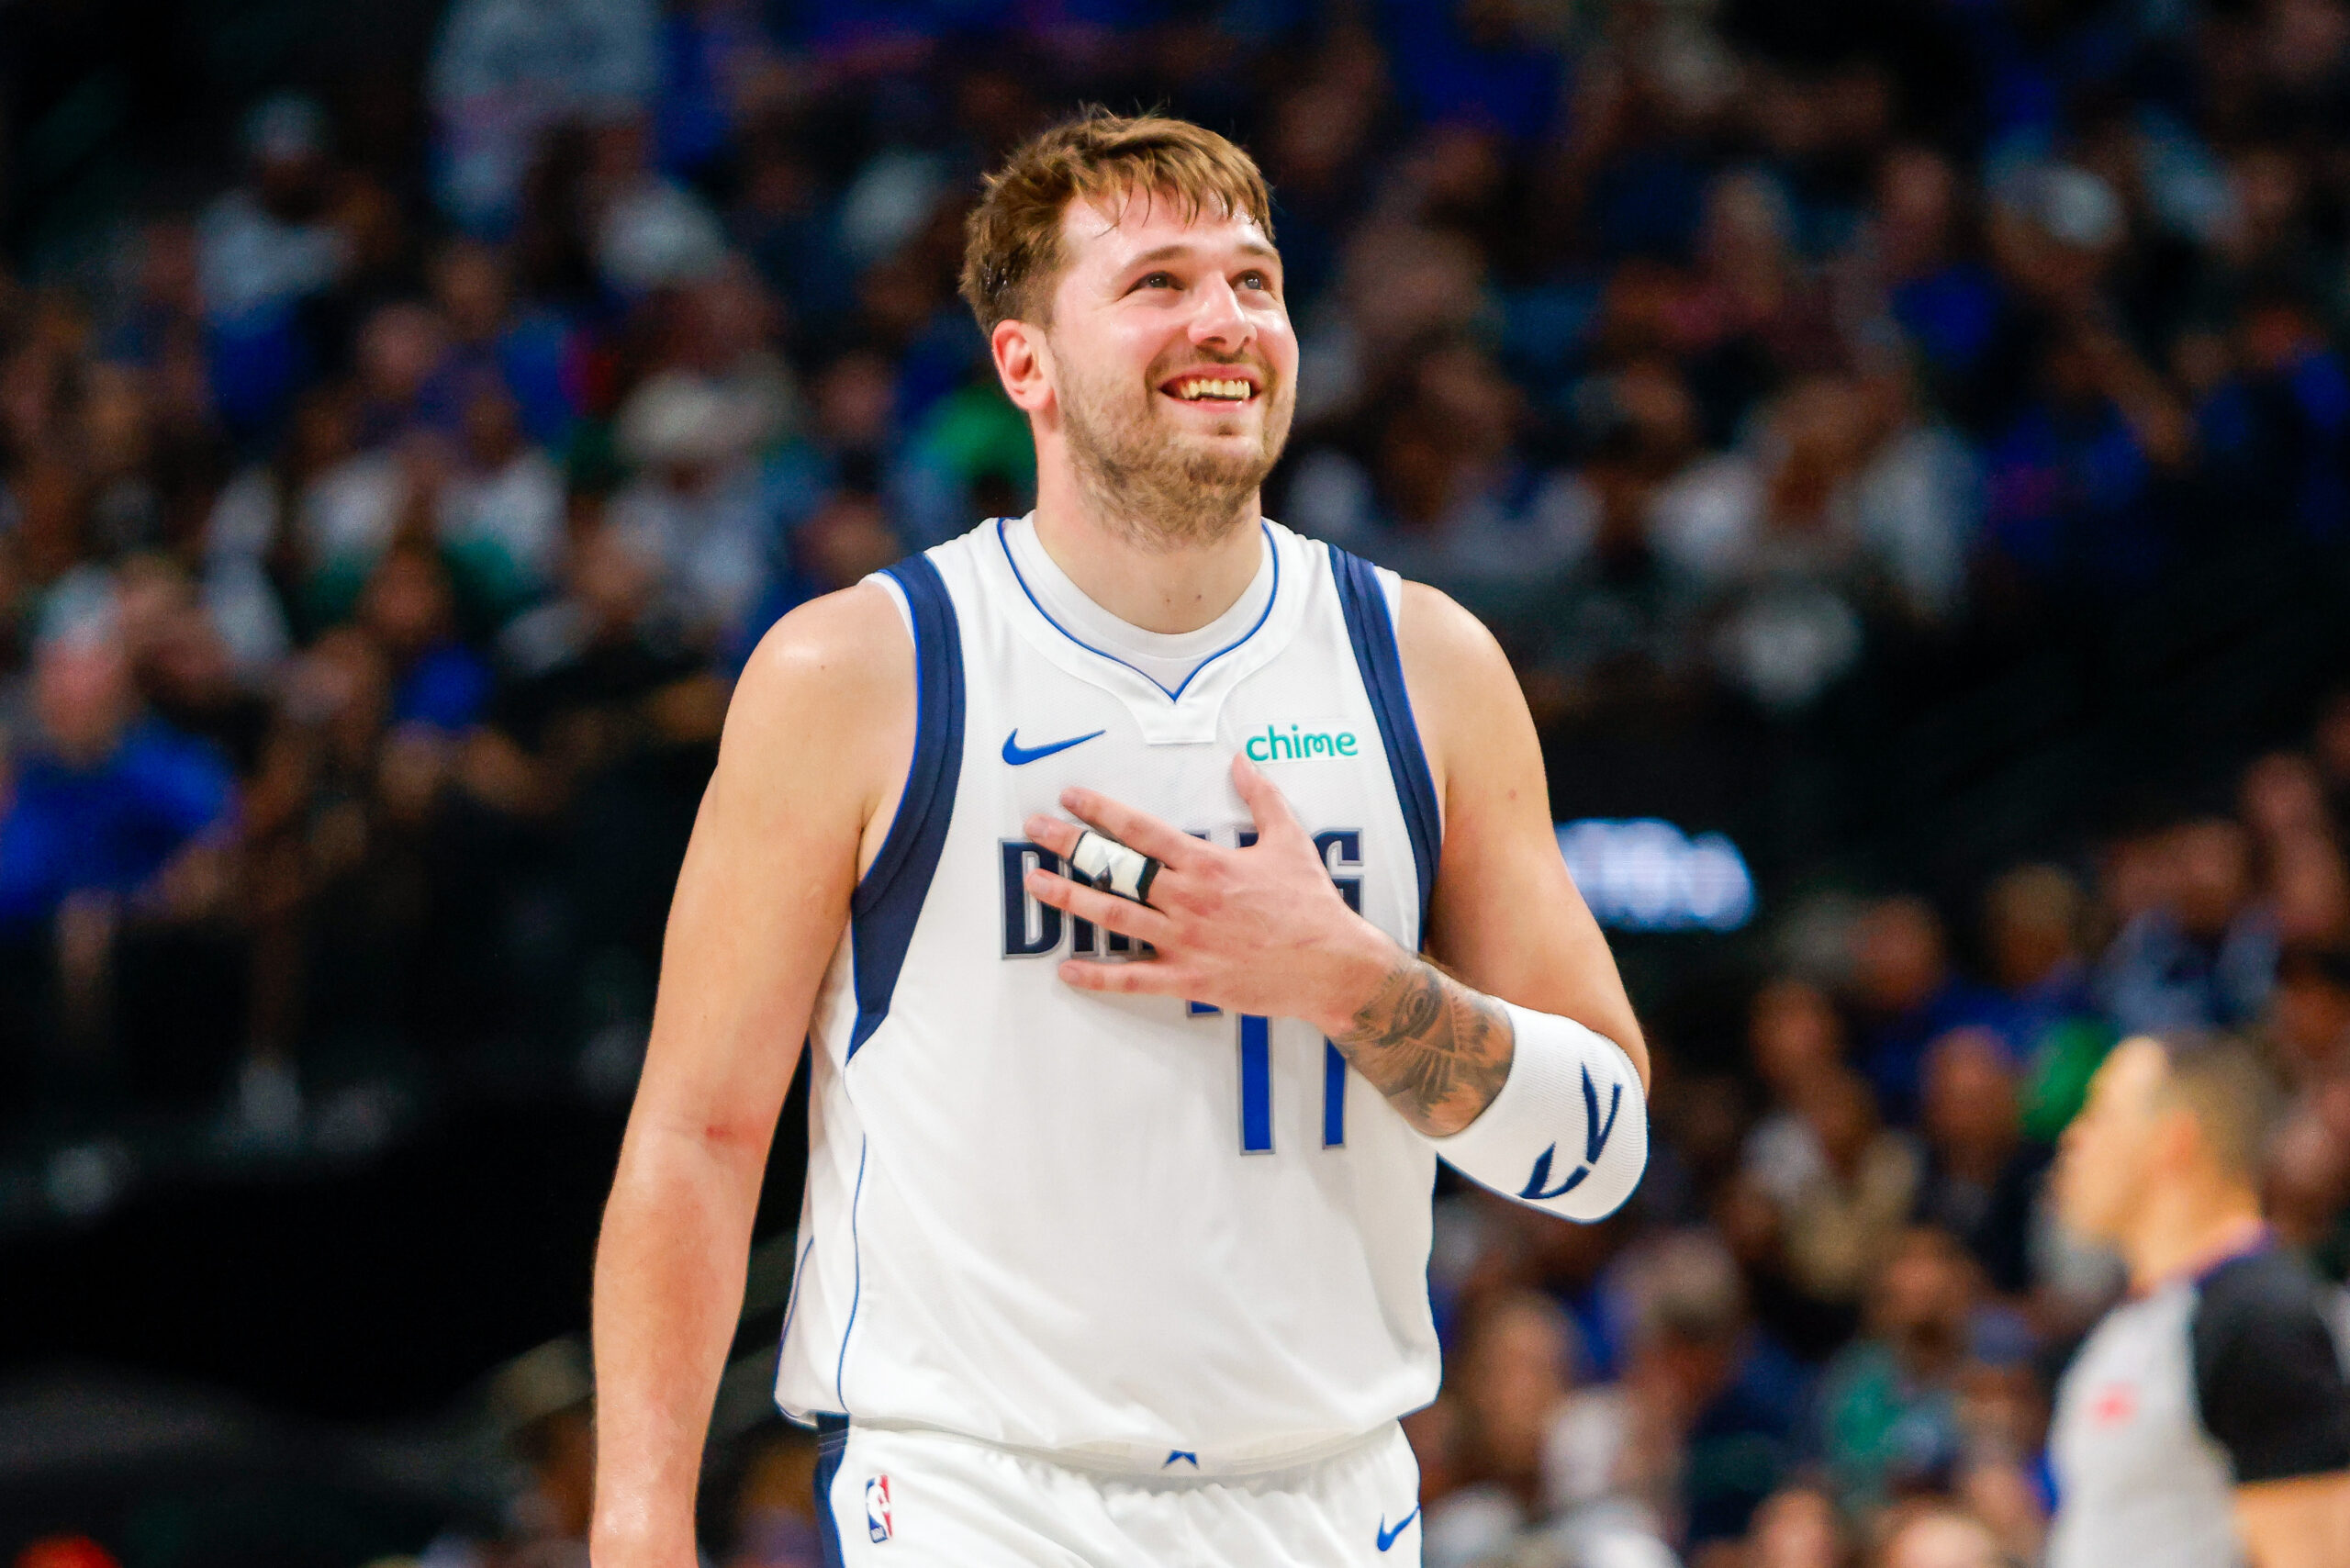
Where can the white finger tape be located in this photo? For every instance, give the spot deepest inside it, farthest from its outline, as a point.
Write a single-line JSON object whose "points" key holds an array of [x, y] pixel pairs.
{"points": [[1104, 863]]}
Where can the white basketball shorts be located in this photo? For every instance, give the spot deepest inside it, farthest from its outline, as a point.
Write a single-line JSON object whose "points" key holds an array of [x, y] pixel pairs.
{"points": [[900, 1497]]}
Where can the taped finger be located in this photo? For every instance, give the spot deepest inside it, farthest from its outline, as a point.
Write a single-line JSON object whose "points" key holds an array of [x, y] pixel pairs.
{"points": [[1102, 862]]}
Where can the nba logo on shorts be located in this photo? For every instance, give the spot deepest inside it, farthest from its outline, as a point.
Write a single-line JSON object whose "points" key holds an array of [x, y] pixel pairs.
{"points": [[877, 1508]]}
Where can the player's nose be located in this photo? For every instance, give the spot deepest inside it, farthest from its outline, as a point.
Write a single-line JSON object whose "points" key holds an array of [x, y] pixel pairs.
{"points": [[1218, 319]]}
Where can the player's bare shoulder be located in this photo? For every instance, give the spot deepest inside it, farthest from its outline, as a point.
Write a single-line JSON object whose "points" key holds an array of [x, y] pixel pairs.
{"points": [[1464, 694], [825, 707]]}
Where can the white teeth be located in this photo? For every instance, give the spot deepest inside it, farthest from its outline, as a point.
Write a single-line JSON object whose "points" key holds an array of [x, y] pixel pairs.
{"points": [[1197, 388]]}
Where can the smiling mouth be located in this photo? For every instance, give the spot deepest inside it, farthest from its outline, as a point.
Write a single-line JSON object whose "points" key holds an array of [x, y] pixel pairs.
{"points": [[1210, 390]]}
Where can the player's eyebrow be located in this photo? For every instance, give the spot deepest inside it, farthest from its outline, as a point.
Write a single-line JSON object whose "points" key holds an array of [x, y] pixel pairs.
{"points": [[1176, 247]]}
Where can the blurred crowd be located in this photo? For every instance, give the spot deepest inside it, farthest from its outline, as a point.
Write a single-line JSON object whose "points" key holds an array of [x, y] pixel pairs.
{"points": [[377, 547], [1834, 1315]]}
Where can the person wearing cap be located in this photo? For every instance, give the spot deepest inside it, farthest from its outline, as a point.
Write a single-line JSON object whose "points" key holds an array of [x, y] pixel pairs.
{"points": [[2206, 1422]]}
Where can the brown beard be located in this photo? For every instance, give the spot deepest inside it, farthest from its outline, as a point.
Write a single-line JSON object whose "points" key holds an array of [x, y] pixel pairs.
{"points": [[1158, 493]]}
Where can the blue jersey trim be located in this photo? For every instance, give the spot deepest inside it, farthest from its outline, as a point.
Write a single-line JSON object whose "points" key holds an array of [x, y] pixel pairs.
{"points": [[856, 1290], [831, 1445], [889, 900], [1176, 694], [1373, 631]]}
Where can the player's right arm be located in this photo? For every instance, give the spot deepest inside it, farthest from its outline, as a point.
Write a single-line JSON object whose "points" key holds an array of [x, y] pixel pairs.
{"points": [[2303, 1522], [816, 746]]}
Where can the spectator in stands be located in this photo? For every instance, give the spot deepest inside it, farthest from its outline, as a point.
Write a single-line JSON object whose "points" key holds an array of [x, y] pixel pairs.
{"points": [[1714, 1409], [184, 672], [402, 356], [1442, 492], [1918, 501], [1890, 1403], [2205, 955], [1841, 1221], [1516, 1368], [2306, 1184], [1981, 1174], [1619, 628], [107, 803], [499, 510], [268, 250], [2309, 1014], [648, 232], [1794, 1038], [1796, 1527], [507, 70], [697, 513], [1787, 571], [1908, 995], [2033, 920], [2275, 433], [598, 741], [1936, 1537], [327, 942], [116, 824], [330, 514], [2307, 1191], [2078, 482], [409, 612], [2282, 796]]}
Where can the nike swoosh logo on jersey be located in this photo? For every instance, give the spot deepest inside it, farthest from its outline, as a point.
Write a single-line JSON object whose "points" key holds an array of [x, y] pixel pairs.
{"points": [[1387, 1537], [1019, 756]]}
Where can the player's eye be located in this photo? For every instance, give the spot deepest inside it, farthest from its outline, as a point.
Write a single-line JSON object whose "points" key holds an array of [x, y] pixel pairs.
{"points": [[1157, 280], [1253, 279]]}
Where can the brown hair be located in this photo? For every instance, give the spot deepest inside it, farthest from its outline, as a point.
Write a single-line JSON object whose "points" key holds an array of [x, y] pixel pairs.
{"points": [[2228, 1088], [1012, 242]]}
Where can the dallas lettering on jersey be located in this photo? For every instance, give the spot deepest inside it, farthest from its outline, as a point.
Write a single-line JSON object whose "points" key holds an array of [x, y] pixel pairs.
{"points": [[1031, 929]]}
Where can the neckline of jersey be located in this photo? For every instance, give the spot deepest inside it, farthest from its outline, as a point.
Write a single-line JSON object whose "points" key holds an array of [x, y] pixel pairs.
{"points": [[1175, 694]]}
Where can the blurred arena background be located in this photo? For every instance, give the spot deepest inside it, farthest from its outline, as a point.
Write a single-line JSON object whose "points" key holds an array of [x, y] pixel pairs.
{"points": [[1905, 445]]}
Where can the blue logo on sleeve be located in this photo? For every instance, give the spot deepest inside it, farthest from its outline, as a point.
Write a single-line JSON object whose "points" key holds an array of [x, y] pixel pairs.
{"points": [[1387, 1537], [1021, 756], [1595, 1133], [1174, 1454]]}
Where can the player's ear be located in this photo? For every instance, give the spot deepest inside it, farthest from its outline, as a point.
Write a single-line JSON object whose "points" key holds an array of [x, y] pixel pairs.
{"points": [[2177, 1140], [1024, 363]]}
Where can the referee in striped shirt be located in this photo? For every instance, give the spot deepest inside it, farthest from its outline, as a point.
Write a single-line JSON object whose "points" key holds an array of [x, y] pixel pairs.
{"points": [[2205, 1421]]}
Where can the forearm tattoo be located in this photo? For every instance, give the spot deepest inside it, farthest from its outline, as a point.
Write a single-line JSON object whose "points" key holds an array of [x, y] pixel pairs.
{"points": [[1439, 1051]]}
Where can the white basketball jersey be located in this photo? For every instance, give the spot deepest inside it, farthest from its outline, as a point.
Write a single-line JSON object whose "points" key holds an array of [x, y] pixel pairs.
{"points": [[1126, 1227]]}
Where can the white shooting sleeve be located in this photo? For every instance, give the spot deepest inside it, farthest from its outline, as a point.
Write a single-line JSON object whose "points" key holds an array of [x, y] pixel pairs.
{"points": [[1569, 1132]]}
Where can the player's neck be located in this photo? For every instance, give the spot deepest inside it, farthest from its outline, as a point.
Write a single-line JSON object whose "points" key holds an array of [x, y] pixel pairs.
{"points": [[2183, 1227], [1170, 589]]}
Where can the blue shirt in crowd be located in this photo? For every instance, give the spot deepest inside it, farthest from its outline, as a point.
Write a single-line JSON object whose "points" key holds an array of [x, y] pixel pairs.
{"points": [[109, 828]]}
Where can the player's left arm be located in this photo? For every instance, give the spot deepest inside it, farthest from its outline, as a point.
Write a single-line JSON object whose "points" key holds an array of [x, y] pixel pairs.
{"points": [[1562, 1118], [1506, 918]]}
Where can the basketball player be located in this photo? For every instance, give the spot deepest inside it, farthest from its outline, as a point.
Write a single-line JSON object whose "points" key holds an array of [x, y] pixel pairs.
{"points": [[2205, 1423], [1115, 1239]]}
